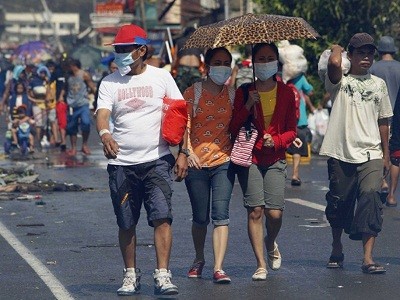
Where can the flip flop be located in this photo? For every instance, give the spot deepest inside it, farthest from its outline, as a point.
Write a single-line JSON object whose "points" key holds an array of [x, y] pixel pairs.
{"points": [[388, 204], [335, 262], [373, 269], [296, 182]]}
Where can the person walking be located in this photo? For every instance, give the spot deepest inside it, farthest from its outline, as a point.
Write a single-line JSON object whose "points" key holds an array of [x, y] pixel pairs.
{"points": [[356, 143], [209, 146], [77, 98], [394, 147], [186, 62], [271, 106], [140, 162], [388, 69]]}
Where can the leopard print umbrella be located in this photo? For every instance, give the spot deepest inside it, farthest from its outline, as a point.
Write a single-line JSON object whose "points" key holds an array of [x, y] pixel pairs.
{"points": [[250, 29]]}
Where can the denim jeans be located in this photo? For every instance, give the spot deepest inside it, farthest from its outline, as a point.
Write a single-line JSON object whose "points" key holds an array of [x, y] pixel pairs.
{"points": [[210, 189]]}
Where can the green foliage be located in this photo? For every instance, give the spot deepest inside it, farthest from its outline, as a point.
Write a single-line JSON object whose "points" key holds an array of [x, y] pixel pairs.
{"points": [[336, 21]]}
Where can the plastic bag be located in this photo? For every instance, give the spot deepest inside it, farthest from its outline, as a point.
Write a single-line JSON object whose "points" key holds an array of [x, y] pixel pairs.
{"points": [[174, 121], [321, 121], [318, 124], [323, 63]]}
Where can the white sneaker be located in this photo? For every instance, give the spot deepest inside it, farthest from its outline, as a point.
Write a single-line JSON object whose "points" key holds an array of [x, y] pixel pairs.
{"points": [[163, 284], [130, 283]]}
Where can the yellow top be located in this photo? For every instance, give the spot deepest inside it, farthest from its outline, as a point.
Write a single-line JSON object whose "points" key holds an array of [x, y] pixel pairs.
{"points": [[268, 102]]}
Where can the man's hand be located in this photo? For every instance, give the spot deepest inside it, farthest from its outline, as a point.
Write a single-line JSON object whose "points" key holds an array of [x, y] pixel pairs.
{"points": [[110, 146], [181, 167]]}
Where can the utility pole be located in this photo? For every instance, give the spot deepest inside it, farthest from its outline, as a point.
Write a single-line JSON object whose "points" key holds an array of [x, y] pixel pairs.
{"points": [[47, 17], [143, 14], [226, 9]]}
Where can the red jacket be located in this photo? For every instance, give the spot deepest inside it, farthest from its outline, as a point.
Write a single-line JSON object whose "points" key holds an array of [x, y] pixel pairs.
{"points": [[282, 127]]}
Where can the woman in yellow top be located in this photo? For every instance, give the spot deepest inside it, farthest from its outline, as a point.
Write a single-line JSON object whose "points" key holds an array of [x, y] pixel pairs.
{"points": [[210, 178]]}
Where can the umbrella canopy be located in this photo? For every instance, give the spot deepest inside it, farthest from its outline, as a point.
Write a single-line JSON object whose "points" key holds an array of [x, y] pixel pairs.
{"points": [[250, 29], [33, 52]]}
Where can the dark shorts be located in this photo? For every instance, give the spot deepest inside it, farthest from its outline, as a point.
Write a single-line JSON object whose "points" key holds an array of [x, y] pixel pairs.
{"points": [[395, 157], [353, 200], [304, 134], [148, 183]]}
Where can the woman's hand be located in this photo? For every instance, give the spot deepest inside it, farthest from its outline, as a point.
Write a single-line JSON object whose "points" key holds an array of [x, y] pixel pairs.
{"points": [[194, 161], [268, 141], [254, 98], [297, 143]]}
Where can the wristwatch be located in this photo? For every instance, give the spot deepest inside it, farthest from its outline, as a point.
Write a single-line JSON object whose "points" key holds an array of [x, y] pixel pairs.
{"points": [[185, 151]]}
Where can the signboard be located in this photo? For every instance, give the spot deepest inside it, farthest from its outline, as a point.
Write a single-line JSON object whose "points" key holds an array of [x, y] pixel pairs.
{"points": [[110, 9]]}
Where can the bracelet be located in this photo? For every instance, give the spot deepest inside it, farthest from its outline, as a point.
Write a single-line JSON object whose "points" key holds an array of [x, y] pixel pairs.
{"points": [[103, 132], [185, 151]]}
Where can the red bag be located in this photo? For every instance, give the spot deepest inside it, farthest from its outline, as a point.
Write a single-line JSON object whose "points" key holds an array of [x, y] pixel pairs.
{"points": [[174, 121]]}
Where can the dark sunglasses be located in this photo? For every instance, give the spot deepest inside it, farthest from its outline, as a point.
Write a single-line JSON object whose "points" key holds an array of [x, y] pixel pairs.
{"points": [[125, 48]]}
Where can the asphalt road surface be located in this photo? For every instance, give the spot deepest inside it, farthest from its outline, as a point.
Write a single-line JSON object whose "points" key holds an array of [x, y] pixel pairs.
{"points": [[64, 246]]}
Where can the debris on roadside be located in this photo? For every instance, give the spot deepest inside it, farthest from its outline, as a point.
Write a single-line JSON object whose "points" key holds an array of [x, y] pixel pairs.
{"points": [[21, 178]]}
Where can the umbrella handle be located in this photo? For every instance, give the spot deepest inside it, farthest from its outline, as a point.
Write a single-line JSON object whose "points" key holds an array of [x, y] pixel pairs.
{"points": [[254, 80]]}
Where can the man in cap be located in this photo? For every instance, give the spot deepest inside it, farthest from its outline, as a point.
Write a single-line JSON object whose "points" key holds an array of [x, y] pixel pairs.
{"points": [[140, 162], [356, 141], [388, 69]]}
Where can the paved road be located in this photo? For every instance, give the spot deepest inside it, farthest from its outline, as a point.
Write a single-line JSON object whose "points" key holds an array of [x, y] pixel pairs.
{"points": [[67, 248]]}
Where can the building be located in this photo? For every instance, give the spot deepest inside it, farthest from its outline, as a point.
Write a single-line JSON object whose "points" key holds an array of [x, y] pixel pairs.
{"points": [[24, 26]]}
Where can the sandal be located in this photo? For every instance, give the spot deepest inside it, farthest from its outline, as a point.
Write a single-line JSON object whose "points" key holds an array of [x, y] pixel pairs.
{"points": [[373, 269], [86, 150], [274, 260], [71, 152], [335, 262], [260, 274], [296, 182]]}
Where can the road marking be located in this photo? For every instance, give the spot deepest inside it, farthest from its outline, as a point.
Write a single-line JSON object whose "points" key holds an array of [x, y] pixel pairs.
{"points": [[307, 203], [311, 205], [47, 277]]}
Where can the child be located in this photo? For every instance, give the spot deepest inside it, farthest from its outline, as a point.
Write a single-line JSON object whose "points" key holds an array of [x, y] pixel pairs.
{"points": [[21, 129]]}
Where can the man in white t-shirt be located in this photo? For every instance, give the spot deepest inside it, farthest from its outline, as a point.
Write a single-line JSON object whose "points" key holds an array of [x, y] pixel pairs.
{"points": [[140, 162], [357, 143]]}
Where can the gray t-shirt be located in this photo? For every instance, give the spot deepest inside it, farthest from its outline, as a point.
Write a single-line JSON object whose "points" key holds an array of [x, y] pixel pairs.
{"points": [[389, 71]]}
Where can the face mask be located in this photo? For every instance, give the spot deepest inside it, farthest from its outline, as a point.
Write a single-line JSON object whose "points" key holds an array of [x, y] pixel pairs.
{"points": [[219, 74], [263, 71], [124, 62]]}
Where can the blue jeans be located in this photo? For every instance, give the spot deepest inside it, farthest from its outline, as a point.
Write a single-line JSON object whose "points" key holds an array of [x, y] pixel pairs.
{"points": [[201, 185]]}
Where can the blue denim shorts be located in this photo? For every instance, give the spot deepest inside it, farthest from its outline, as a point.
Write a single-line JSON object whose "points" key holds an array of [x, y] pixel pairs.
{"points": [[263, 186], [80, 116], [148, 183], [210, 189]]}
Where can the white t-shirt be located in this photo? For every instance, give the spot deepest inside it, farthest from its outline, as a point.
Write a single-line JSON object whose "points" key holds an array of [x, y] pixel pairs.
{"points": [[353, 132], [135, 103]]}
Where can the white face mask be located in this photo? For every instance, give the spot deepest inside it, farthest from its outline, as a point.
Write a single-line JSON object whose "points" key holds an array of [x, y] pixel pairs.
{"points": [[219, 74], [124, 61], [263, 71]]}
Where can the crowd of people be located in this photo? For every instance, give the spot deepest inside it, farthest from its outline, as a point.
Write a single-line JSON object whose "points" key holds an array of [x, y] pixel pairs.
{"points": [[222, 98], [56, 100]]}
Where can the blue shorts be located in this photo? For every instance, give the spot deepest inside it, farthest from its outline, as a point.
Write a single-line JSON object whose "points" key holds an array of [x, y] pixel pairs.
{"points": [[149, 183], [80, 116], [210, 189]]}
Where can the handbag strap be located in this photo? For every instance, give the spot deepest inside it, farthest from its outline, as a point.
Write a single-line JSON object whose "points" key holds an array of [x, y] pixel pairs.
{"points": [[197, 94], [245, 88]]}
